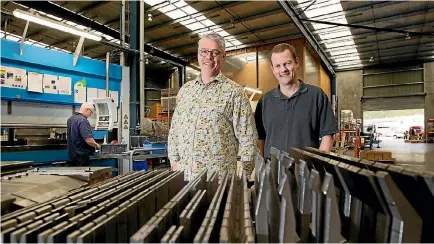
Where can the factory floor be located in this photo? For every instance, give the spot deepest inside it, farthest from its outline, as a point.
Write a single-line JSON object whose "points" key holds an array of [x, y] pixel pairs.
{"points": [[416, 155]]}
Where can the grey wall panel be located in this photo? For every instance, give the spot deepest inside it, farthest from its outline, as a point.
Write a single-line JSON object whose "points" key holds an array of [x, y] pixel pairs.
{"points": [[429, 89], [393, 90], [393, 103]]}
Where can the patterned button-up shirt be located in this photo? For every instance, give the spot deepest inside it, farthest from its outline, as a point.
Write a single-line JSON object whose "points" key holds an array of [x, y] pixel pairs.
{"points": [[211, 125]]}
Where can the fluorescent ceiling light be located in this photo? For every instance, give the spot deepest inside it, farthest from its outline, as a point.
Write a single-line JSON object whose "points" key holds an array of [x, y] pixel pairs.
{"points": [[54, 17], [253, 90], [55, 25]]}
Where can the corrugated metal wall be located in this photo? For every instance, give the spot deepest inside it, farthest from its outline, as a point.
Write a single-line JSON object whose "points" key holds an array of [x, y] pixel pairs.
{"points": [[393, 87]]}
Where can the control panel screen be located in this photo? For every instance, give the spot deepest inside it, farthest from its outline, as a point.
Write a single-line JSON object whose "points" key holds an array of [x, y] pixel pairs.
{"points": [[103, 109]]}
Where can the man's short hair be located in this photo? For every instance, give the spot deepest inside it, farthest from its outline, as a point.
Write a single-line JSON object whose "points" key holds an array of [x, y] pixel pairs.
{"points": [[280, 48], [214, 36], [88, 105]]}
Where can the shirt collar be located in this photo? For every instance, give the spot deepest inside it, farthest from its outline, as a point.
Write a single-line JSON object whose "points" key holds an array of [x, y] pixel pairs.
{"points": [[301, 89], [220, 77]]}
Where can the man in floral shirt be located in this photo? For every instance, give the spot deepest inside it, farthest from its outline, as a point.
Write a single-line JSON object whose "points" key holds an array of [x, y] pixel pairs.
{"points": [[213, 120]]}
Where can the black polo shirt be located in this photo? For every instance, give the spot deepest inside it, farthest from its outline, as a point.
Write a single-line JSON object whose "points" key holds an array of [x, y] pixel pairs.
{"points": [[78, 130], [298, 121]]}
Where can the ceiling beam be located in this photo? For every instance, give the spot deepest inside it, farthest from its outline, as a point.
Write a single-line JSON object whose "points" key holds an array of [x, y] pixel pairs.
{"points": [[394, 58], [92, 5], [363, 35], [67, 39], [265, 29], [35, 33], [367, 44], [240, 35], [258, 44], [308, 35], [351, 12], [54, 9], [367, 22], [202, 12], [112, 21], [376, 29], [91, 48], [366, 52], [221, 25]]}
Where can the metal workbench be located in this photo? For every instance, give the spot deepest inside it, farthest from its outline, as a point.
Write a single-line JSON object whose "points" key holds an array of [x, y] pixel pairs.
{"points": [[126, 159]]}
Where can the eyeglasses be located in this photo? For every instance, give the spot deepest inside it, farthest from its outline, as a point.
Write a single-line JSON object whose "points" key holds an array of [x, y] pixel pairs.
{"points": [[91, 112], [213, 53]]}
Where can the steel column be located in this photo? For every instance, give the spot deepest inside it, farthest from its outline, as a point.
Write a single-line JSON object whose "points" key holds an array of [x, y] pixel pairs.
{"points": [[134, 62], [142, 63]]}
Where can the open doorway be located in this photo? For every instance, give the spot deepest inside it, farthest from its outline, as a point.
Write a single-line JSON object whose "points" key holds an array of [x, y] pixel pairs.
{"points": [[392, 126]]}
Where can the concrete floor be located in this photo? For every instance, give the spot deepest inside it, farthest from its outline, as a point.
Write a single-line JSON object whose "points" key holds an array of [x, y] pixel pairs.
{"points": [[417, 155]]}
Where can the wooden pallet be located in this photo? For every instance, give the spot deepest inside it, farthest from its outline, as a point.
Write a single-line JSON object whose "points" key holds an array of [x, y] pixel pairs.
{"points": [[414, 141], [391, 161]]}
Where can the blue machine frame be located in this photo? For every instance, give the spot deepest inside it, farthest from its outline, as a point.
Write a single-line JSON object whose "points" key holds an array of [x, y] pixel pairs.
{"points": [[57, 63]]}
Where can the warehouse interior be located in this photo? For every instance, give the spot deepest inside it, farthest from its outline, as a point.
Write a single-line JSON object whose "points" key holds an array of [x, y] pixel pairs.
{"points": [[129, 60]]}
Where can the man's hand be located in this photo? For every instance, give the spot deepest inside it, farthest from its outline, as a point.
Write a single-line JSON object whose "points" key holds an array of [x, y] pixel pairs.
{"points": [[91, 142], [326, 143], [240, 168], [175, 166]]}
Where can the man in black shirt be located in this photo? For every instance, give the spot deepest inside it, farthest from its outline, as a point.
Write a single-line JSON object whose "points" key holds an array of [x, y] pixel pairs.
{"points": [[80, 141], [294, 114]]}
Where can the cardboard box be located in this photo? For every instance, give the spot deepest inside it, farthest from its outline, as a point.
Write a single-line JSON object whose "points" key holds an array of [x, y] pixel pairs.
{"points": [[363, 154], [371, 156], [387, 155], [378, 156]]}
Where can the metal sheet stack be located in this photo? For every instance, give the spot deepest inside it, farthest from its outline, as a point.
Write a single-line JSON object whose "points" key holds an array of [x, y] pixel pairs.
{"points": [[204, 211], [313, 196], [111, 211], [298, 196], [140, 206]]}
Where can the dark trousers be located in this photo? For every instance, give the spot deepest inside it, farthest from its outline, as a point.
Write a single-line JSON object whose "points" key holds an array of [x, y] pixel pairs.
{"points": [[82, 160]]}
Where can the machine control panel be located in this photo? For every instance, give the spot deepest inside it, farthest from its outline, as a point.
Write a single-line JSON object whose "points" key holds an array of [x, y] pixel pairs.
{"points": [[106, 114]]}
